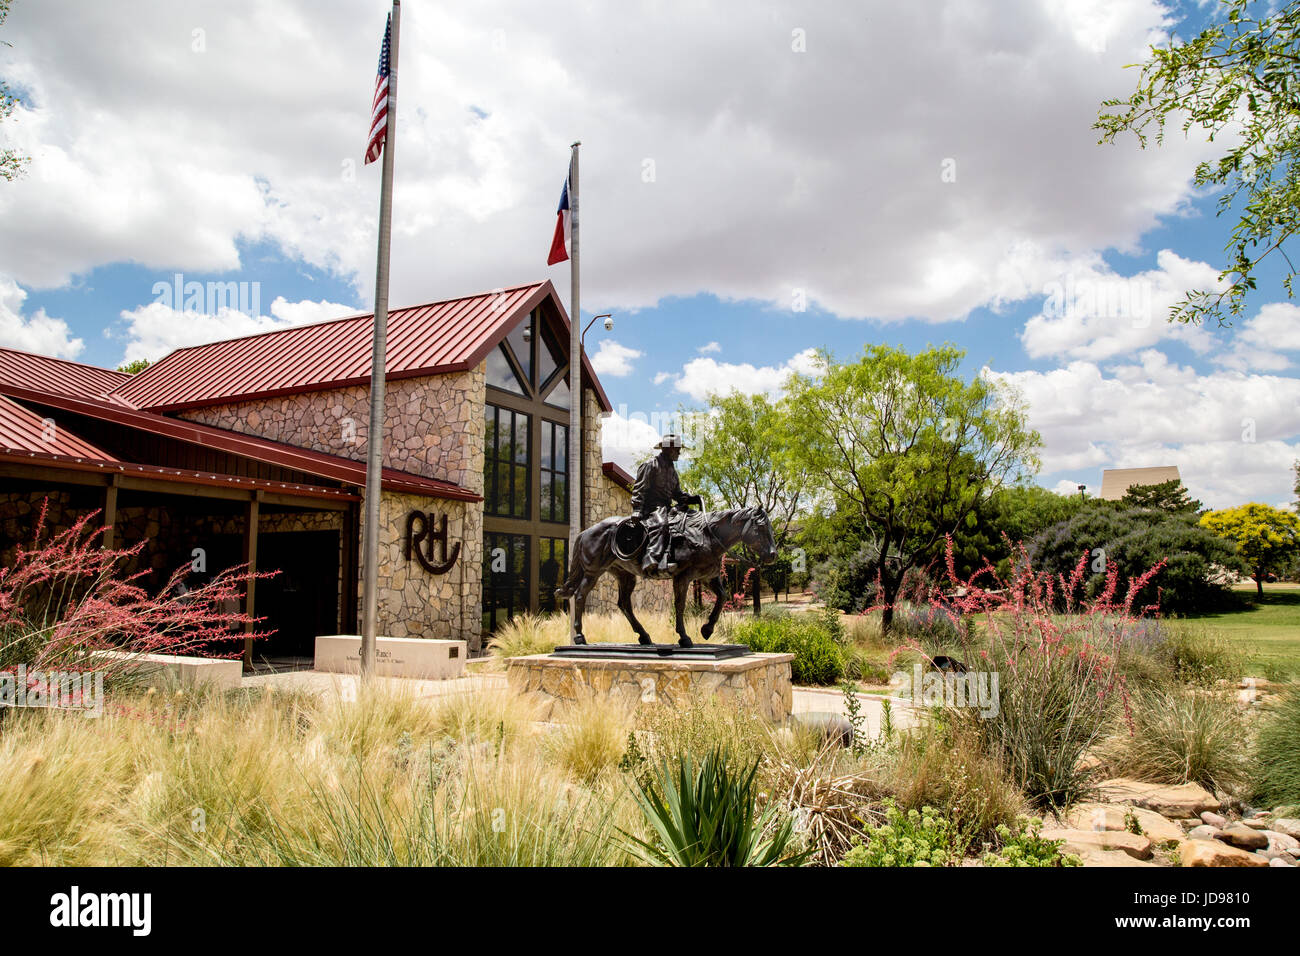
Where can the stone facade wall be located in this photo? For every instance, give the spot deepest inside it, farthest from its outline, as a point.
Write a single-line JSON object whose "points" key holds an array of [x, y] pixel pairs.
{"points": [[434, 424], [434, 428], [415, 603]]}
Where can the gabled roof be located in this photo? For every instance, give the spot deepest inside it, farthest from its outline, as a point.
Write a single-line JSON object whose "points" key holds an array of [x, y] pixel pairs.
{"points": [[439, 337], [28, 370], [321, 464], [1116, 481]]}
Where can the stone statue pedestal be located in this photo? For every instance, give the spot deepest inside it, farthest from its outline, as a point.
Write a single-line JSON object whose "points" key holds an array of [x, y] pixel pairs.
{"points": [[653, 675]]}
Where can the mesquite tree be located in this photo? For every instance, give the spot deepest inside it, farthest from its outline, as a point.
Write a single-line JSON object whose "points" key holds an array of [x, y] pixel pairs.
{"points": [[738, 460], [910, 444]]}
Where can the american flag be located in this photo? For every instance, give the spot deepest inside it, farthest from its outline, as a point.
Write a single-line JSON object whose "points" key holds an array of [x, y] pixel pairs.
{"points": [[379, 111]]}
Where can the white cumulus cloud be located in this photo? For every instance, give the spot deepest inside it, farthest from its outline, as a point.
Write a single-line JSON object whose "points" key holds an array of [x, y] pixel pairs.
{"points": [[614, 359]]}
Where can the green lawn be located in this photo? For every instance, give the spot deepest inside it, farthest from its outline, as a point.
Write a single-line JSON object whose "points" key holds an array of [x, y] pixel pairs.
{"points": [[1268, 629]]}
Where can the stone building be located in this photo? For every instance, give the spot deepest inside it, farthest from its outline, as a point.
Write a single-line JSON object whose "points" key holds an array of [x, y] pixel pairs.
{"points": [[254, 449]]}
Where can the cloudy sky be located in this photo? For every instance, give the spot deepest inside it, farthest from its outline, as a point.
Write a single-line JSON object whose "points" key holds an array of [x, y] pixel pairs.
{"points": [[758, 181]]}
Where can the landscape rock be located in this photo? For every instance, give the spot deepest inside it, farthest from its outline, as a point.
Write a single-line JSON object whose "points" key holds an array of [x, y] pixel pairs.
{"points": [[1278, 861], [1077, 841], [1176, 801], [1242, 836], [1113, 818], [1092, 856], [1280, 841], [1214, 853], [1210, 818], [1158, 829], [1256, 823], [1288, 826], [1203, 832]]}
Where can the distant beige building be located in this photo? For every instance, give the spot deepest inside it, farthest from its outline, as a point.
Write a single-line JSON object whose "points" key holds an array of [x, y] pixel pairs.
{"points": [[1116, 481]]}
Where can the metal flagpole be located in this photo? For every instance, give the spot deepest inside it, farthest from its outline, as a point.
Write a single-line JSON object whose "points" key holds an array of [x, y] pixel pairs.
{"points": [[375, 436], [575, 366]]}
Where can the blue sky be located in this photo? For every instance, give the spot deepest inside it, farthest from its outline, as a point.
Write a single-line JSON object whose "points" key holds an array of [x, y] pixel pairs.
{"points": [[731, 164]]}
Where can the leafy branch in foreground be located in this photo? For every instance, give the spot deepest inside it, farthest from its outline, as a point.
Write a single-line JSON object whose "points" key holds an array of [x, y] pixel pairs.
{"points": [[1238, 77]]}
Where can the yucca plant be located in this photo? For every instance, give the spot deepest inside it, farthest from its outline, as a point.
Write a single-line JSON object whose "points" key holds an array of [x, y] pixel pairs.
{"points": [[706, 816]]}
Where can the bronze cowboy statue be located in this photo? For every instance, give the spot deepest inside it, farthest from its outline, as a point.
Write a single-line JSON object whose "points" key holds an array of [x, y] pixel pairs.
{"points": [[656, 490], [659, 541]]}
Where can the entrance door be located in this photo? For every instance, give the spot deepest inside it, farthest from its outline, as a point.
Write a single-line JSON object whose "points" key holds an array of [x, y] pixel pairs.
{"points": [[302, 601]]}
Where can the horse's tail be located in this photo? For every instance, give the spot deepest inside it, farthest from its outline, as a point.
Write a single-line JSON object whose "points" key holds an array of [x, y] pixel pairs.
{"points": [[570, 586]]}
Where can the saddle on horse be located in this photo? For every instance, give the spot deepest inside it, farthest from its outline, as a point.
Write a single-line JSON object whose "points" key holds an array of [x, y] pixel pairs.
{"points": [[687, 532]]}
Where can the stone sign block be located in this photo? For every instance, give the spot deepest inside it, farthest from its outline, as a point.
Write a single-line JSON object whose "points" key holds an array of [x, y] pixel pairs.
{"points": [[426, 659]]}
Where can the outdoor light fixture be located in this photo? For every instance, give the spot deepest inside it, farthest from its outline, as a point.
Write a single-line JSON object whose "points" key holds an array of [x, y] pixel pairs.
{"points": [[609, 324]]}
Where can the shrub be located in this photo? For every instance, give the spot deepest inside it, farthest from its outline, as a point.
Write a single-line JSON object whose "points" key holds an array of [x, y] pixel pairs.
{"points": [[846, 579], [932, 627], [705, 815], [1277, 752], [1133, 540], [1028, 848], [818, 659], [66, 599], [1180, 736], [922, 837]]}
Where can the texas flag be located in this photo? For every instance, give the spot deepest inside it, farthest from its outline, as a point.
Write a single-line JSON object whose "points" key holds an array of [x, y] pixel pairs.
{"points": [[560, 241]]}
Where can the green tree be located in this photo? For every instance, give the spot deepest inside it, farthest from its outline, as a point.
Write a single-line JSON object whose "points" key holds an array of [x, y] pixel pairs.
{"points": [[908, 443], [738, 460], [1168, 496], [1020, 512], [134, 367], [1266, 538], [11, 161], [1236, 79]]}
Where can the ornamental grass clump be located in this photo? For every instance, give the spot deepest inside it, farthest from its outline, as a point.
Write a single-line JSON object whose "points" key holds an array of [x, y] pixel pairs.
{"points": [[1277, 752], [1058, 674], [1177, 735]]}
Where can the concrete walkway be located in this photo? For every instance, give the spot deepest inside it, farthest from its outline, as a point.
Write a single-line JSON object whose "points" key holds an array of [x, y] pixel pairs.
{"points": [[825, 700]]}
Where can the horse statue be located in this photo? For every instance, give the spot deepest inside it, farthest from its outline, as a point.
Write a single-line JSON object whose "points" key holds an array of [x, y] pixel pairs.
{"points": [[698, 556]]}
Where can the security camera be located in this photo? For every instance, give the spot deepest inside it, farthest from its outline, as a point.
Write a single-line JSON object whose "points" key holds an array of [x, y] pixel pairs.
{"points": [[609, 323]]}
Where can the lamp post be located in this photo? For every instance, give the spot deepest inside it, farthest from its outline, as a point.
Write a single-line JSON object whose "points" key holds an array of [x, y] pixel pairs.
{"points": [[609, 327], [1082, 489]]}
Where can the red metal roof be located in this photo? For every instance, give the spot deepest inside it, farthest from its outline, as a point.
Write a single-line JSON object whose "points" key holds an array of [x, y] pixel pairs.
{"points": [[184, 477], [431, 339], [21, 429], [29, 370], [317, 463]]}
